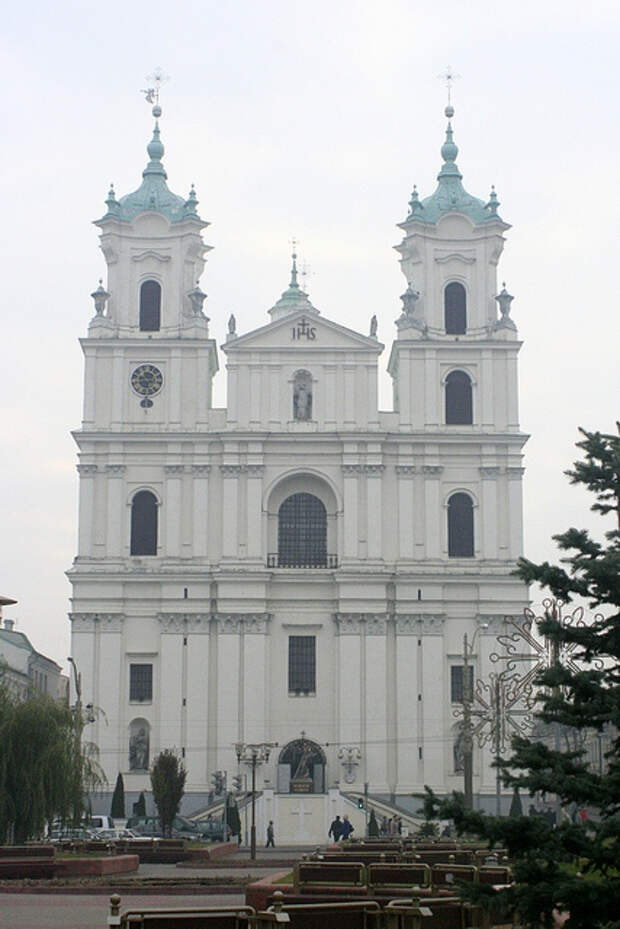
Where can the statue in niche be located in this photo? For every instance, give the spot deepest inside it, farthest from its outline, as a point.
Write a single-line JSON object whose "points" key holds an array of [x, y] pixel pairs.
{"points": [[139, 750], [302, 396], [458, 752]]}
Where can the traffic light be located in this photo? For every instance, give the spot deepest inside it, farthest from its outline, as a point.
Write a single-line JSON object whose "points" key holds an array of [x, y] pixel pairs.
{"points": [[236, 782], [360, 803]]}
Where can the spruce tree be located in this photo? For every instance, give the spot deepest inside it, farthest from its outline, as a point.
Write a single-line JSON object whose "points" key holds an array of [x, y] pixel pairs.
{"points": [[573, 867], [139, 807], [117, 810], [168, 782]]}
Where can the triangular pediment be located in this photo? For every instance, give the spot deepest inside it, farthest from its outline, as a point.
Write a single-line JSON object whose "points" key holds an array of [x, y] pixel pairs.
{"points": [[303, 330]]}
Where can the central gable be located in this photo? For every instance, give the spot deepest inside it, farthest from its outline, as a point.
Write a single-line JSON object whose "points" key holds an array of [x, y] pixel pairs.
{"points": [[305, 331]]}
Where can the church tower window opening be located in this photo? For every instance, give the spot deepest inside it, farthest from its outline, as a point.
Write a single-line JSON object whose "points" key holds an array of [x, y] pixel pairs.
{"points": [[143, 524], [460, 526], [455, 309], [459, 407], [141, 683], [302, 396], [302, 532], [302, 664], [150, 306]]}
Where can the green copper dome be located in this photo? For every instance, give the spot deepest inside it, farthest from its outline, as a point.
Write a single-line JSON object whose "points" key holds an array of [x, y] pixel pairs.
{"points": [[450, 195], [293, 298], [153, 193]]}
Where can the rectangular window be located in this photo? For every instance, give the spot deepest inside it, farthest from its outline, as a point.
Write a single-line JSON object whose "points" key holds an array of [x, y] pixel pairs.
{"points": [[302, 664], [456, 682], [141, 682]]}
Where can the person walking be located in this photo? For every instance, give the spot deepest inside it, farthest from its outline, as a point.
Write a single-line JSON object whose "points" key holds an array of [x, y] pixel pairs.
{"points": [[270, 842], [335, 830], [347, 828]]}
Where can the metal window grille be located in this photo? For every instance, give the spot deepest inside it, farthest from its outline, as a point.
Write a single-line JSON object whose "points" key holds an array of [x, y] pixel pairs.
{"points": [[302, 664], [141, 682], [302, 532], [460, 526], [456, 682]]}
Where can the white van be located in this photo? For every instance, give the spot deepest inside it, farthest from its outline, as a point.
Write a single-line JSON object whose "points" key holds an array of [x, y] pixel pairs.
{"points": [[100, 822]]}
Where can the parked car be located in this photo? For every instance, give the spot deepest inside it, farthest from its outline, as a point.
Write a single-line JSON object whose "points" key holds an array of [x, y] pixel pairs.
{"points": [[213, 829], [114, 835], [71, 835], [182, 828]]}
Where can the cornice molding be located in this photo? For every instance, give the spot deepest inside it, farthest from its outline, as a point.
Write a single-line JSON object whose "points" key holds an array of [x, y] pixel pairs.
{"points": [[89, 622], [420, 624], [361, 623], [242, 623], [87, 469]]}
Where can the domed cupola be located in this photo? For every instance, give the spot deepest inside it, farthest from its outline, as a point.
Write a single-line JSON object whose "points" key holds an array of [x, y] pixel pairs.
{"points": [[450, 195], [293, 299]]}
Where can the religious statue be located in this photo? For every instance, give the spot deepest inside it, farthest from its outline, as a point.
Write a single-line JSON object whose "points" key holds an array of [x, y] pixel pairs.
{"points": [[232, 325], [303, 766], [373, 327], [139, 750], [302, 398]]}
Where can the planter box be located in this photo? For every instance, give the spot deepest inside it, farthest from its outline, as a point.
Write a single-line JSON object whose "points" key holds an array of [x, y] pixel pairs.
{"points": [[111, 864]]}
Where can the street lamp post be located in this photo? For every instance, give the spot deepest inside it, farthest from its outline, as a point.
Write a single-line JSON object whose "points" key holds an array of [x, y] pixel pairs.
{"points": [[253, 754], [468, 736]]}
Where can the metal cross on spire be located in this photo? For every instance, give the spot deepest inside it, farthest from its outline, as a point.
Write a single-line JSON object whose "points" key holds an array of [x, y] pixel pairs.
{"points": [[155, 80], [449, 76]]}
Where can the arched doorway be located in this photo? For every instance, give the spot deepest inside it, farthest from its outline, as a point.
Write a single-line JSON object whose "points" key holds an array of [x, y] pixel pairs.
{"points": [[301, 768]]}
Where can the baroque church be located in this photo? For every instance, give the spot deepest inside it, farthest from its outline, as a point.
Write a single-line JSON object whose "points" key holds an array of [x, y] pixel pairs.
{"points": [[300, 567]]}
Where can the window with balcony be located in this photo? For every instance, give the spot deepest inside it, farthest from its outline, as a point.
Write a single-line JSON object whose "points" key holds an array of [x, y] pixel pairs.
{"points": [[302, 533]]}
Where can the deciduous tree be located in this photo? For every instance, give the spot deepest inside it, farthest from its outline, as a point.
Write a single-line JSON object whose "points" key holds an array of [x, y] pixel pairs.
{"points": [[168, 783]]}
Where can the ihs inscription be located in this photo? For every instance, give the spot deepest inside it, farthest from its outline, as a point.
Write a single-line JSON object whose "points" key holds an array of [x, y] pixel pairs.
{"points": [[303, 331]]}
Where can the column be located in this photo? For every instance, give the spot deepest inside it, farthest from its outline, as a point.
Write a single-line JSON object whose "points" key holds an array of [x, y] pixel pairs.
{"points": [[374, 509], [116, 511], [351, 474], [329, 396], [200, 515], [254, 510], [197, 703], [275, 373], [485, 394], [485, 534], [435, 512], [515, 512], [87, 474], [409, 731], [172, 509], [174, 387], [433, 690], [119, 387], [230, 478], [406, 520], [434, 407]]}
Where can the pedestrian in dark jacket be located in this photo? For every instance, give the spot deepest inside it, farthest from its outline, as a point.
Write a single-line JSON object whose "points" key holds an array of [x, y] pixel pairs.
{"points": [[270, 842], [335, 830], [347, 828]]}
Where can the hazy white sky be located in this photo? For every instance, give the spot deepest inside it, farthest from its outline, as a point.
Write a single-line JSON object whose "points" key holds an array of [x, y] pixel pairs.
{"points": [[310, 119]]}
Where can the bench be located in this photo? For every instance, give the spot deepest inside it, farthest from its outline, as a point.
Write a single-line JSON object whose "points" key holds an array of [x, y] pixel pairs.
{"points": [[434, 913], [362, 914], [441, 856], [366, 857], [35, 868], [450, 874], [320, 874], [206, 917], [27, 851], [488, 874], [399, 877]]}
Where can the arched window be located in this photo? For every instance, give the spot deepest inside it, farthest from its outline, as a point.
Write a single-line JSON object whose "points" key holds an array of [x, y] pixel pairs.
{"points": [[302, 532], [302, 395], [455, 309], [144, 524], [139, 739], [458, 399], [460, 526], [150, 306]]}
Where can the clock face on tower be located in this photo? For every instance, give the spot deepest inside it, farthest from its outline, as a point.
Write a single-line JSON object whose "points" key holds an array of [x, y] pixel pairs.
{"points": [[147, 380]]}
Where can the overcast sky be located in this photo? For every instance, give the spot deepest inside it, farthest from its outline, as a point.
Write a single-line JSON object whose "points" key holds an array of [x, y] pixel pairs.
{"points": [[311, 120]]}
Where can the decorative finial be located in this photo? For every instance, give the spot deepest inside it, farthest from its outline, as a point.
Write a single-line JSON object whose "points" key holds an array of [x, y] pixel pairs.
{"points": [[493, 203], [414, 203], [294, 283], [197, 298], [155, 80], [192, 201], [449, 76], [504, 299], [100, 296]]}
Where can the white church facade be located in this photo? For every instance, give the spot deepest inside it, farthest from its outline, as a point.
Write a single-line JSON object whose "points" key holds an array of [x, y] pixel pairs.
{"points": [[298, 568]]}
